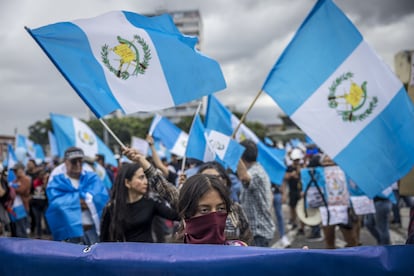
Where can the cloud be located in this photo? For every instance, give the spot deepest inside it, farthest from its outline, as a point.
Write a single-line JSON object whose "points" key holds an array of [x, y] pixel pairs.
{"points": [[245, 36]]}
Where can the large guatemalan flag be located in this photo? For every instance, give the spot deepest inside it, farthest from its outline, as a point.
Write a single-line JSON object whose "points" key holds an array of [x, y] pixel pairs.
{"points": [[219, 118], [337, 90], [71, 132], [122, 60]]}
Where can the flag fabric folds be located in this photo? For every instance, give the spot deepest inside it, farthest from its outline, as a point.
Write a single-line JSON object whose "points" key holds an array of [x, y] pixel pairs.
{"points": [[209, 145], [70, 132], [219, 118], [227, 150], [27, 144], [140, 144], [339, 92], [116, 60], [11, 161], [197, 145], [53, 145], [172, 137]]}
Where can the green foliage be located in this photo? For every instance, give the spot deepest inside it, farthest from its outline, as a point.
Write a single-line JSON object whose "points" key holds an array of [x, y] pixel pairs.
{"points": [[124, 128], [38, 132]]}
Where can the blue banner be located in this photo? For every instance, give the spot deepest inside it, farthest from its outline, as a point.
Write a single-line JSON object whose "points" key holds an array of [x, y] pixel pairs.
{"points": [[41, 257]]}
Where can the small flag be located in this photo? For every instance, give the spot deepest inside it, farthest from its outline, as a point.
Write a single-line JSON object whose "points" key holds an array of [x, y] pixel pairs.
{"points": [[140, 144], [219, 118], [173, 138], [197, 145]]}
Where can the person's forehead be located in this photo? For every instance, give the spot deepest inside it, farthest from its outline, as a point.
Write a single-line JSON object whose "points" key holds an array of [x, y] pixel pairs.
{"points": [[211, 171], [211, 198]]}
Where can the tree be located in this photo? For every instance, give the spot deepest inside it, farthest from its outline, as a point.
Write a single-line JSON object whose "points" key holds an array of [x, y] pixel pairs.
{"points": [[38, 132]]}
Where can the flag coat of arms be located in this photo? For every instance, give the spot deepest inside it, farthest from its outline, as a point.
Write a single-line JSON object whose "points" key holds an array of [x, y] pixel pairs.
{"points": [[338, 91], [71, 132], [125, 61]]}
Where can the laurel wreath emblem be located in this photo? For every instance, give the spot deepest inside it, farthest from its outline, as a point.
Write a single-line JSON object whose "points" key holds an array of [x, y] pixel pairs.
{"points": [[140, 66], [350, 114], [86, 138]]}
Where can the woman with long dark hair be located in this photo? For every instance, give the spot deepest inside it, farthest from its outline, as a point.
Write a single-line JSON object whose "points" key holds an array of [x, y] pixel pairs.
{"points": [[138, 195]]}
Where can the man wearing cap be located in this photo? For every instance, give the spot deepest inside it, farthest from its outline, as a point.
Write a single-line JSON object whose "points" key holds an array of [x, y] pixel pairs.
{"points": [[76, 199]]}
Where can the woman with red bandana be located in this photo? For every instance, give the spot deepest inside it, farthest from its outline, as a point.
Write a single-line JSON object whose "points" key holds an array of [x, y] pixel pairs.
{"points": [[204, 204]]}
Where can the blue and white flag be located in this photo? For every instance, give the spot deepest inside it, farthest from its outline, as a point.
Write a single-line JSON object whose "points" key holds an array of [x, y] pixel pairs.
{"points": [[338, 91], [197, 145], [27, 144], [227, 150], [140, 144], [52, 143], [103, 175], [173, 138], [40, 154], [71, 132], [11, 161], [219, 118], [126, 61]]}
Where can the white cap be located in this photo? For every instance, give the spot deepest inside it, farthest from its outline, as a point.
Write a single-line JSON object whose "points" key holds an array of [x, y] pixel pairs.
{"points": [[296, 154]]}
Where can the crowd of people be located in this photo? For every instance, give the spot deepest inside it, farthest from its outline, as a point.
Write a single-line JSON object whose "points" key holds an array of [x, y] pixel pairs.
{"points": [[152, 200]]}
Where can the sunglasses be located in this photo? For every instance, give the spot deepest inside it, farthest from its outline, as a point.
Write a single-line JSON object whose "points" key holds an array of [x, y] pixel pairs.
{"points": [[76, 161]]}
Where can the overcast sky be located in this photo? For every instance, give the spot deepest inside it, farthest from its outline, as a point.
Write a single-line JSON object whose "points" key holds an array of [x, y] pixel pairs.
{"points": [[245, 36]]}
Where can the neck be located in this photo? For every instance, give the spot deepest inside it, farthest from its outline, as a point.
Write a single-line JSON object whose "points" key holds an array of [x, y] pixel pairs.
{"points": [[134, 197]]}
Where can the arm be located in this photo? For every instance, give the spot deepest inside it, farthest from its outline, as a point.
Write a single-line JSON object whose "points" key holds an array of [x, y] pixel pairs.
{"points": [[157, 161], [156, 180], [243, 174], [165, 211]]}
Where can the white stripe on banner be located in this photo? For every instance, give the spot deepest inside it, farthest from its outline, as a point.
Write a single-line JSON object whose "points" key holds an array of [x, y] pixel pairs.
{"points": [[85, 138], [336, 138], [180, 144], [154, 78]]}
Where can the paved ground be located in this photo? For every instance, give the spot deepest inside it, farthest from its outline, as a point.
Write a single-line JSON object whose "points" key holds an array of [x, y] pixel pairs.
{"points": [[398, 234]]}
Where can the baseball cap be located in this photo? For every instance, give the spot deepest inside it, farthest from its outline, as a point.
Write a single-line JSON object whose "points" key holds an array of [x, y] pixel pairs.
{"points": [[73, 153]]}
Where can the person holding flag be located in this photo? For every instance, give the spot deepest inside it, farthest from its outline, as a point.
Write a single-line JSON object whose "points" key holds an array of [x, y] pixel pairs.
{"points": [[256, 195]]}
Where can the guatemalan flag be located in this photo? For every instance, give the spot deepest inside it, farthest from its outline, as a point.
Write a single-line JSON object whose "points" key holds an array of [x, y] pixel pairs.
{"points": [[71, 132], [337, 90], [126, 61], [11, 161], [208, 145], [219, 118], [173, 138], [24, 142], [53, 144]]}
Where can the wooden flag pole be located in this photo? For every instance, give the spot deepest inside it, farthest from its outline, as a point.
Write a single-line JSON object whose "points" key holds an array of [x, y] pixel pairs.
{"points": [[245, 114], [184, 158], [113, 134]]}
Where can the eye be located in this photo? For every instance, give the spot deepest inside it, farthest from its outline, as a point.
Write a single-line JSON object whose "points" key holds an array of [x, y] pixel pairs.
{"points": [[222, 209], [203, 210]]}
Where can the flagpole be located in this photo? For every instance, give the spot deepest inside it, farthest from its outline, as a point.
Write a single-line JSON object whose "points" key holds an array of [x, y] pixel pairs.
{"points": [[113, 134], [184, 157], [245, 114]]}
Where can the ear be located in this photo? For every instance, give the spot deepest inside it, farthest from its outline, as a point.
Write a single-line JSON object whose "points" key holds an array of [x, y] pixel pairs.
{"points": [[127, 183]]}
